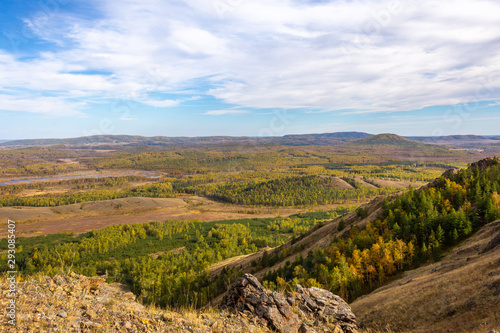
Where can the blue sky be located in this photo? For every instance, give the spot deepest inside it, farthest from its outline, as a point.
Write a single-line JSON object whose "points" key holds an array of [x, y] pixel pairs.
{"points": [[71, 68]]}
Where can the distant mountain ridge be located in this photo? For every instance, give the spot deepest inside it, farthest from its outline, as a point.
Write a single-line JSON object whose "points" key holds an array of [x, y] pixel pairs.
{"points": [[463, 141], [338, 135], [325, 139], [135, 140]]}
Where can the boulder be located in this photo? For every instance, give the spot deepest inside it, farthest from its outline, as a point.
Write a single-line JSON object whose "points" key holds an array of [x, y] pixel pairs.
{"points": [[297, 312], [325, 306], [246, 293]]}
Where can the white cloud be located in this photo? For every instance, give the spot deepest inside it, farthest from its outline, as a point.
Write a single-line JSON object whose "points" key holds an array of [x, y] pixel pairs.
{"points": [[43, 105], [161, 104], [329, 56], [224, 112]]}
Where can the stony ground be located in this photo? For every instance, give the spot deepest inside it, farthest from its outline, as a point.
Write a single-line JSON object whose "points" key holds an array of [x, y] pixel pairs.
{"points": [[77, 303]]}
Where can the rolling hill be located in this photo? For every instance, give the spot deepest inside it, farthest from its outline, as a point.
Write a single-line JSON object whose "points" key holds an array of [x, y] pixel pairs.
{"points": [[122, 140], [397, 146], [387, 139], [459, 141], [134, 140], [327, 139], [358, 139]]}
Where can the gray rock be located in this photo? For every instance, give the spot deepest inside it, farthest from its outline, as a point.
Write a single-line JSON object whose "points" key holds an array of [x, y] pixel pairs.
{"points": [[291, 313], [323, 305], [246, 293], [62, 314], [306, 329]]}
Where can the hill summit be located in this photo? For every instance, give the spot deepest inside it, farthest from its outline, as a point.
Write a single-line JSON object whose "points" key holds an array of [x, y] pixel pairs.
{"points": [[388, 139]]}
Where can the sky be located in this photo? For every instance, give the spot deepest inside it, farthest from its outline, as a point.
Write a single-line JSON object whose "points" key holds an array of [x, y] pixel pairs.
{"points": [[71, 68]]}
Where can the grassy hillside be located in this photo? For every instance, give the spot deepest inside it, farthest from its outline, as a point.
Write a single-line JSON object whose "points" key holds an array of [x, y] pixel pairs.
{"points": [[460, 293]]}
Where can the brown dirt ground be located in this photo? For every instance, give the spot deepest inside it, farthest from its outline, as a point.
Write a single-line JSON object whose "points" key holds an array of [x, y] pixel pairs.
{"points": [[397, 184], [244, 260], [83, 217], [340, 184], [362, 182]]}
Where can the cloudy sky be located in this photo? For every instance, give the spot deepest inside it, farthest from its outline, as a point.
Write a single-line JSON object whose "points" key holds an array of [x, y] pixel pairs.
{"points": [[71, 68]]}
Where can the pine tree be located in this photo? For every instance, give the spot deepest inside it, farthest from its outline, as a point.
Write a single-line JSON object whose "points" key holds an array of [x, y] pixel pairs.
{"points": [[341, 225]]}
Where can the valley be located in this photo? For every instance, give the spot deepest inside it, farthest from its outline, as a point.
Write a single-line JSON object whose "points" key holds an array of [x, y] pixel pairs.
{"points": [[178, 220]]}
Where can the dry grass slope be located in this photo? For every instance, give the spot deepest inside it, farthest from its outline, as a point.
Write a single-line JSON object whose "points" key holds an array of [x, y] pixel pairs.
{"points": [[80, 304], [461, 293]]}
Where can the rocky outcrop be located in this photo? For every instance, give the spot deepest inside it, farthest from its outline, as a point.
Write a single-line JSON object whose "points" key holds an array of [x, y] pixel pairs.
{"points": [[297, 312], [484, 164], [75, 303]]}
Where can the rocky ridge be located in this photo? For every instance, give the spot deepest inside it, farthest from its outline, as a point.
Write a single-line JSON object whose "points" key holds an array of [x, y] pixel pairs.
{"points": [[75, 303], [306, 310]]}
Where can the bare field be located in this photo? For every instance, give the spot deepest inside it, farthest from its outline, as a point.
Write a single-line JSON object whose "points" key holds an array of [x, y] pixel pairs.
{"points": [[397, 183], [340, 183], [365, 184], [78, 175], [83, 217]]}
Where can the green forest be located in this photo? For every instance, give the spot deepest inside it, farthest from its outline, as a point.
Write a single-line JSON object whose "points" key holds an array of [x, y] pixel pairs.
{"points": [[165, 263], [413, 229], [267, 158], [292, 191]]}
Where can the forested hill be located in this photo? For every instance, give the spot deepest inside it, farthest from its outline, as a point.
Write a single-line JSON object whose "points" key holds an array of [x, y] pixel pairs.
{"points": [[464, 141], [132, 140], [355, 253], [388, 139]]}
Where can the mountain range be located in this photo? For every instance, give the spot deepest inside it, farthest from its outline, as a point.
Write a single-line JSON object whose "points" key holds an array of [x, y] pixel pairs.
{"points": [[326, 139]]}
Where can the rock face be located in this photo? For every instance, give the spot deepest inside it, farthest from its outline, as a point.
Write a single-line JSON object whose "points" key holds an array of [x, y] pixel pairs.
{"points": [[298, 312]]}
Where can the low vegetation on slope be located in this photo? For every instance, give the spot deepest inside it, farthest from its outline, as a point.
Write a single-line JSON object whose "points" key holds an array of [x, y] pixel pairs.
{"points": [[75, 303]]}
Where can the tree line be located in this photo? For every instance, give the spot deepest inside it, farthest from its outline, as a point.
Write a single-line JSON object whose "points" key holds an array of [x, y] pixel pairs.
{"points": [[413, 229]]}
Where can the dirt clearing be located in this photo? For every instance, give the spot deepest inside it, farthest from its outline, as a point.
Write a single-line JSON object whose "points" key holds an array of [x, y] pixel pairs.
{"points": [[83, 217]]}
